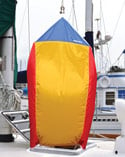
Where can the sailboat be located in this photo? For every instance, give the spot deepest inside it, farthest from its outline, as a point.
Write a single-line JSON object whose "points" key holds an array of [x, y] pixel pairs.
{"points": [[95, 147], [110, 86]]}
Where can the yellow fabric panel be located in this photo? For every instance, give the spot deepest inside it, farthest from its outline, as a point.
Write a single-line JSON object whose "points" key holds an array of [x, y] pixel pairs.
{"points": [[62, 77]]}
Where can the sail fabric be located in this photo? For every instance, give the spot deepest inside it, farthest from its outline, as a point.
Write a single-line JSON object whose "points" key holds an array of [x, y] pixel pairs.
{"points": [[7, 15], [61, 88]]}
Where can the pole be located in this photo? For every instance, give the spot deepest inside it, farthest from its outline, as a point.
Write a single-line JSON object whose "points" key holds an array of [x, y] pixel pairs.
{"points": [[89, 23], [28, 23]]}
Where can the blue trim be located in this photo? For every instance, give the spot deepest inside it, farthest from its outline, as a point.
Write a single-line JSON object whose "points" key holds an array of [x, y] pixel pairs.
{"points": [[106, 108], [120, 75], [111, 87], [116, 75]]}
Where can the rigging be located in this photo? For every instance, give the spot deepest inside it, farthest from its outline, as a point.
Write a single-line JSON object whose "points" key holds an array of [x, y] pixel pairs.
{"points": [[62, 8], [116, 26], [103, 59], [73, 15]]}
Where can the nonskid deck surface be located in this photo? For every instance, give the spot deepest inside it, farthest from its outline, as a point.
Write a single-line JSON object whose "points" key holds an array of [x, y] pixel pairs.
{"points": [[20, 148]]}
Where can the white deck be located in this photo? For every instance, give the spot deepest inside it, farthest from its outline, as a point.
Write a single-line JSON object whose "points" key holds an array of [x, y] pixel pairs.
{"points": [[20, 148]]}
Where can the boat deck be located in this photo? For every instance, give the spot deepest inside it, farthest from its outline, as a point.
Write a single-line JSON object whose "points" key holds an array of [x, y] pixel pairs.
{"points": [[20, 148]]}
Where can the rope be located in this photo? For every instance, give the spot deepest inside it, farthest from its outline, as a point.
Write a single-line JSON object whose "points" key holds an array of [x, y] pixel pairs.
{"points": [[118, 59], [73, 15], [9, 97], [21, 25]]}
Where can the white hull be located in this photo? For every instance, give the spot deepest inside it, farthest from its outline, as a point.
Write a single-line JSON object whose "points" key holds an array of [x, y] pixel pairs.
{"points": [[106, 124], [110, 86]]}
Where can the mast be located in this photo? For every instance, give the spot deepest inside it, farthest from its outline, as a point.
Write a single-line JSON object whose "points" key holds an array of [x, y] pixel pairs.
{"points": [[89, 23], [7, 54], [8, 96]]}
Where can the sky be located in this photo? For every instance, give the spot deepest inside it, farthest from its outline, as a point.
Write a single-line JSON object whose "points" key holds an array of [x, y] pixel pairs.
{"points": [[44, 13]]}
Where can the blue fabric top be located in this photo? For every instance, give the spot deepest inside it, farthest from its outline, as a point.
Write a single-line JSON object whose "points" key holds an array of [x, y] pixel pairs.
{"points": [[62, 31]]}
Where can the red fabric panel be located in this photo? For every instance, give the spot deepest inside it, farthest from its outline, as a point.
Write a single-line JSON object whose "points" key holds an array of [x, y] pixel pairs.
{"points": [[31, 77], [90, 100]]}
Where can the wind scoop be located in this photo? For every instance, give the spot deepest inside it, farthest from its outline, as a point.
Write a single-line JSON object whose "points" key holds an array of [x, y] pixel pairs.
{"points": [[61, 88]]}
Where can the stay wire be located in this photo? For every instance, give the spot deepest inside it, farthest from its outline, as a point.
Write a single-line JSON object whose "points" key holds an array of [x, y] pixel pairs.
{"points": [[73, 15], [28, 23], [116, 26]]}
